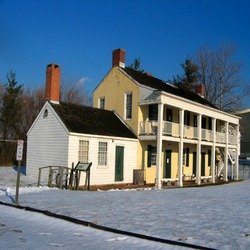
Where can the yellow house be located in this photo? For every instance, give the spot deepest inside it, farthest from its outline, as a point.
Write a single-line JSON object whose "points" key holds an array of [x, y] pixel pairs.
{"points": [[181, 136]]}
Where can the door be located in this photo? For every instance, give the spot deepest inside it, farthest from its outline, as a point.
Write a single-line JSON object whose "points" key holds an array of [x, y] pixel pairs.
{"points": [[167, 169], [194, 163], [203, 156], [119, 162]]}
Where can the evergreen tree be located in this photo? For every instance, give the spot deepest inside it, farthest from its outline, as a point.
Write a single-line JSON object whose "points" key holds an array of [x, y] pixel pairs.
{"points": [[190, 76], [136, 65], [10, 109]]}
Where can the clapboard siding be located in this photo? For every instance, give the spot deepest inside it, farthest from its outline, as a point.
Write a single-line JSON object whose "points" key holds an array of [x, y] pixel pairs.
{"points": [[105, 174], [47, 143]]}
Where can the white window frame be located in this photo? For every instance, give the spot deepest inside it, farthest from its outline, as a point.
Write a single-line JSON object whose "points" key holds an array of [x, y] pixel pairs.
{"points": [[100, 101], [125, 105], [102, 154], [83, 151]]}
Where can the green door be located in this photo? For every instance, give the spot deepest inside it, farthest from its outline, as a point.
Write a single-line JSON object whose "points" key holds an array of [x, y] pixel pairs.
{"points": [[203, 155], [167, 169], [194, 163], [119, 160]]}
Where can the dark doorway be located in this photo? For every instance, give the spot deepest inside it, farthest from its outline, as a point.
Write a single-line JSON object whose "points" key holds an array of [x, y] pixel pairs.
{"points": [[167, 169], [203, 161], [119, 161], [194, 163]]}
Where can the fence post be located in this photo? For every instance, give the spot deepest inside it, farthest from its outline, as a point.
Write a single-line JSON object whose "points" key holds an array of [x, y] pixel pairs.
{"points": [[39, 177], [50, 177]]}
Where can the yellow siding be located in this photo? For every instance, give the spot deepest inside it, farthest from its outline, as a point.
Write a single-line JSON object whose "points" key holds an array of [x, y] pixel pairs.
{"points": [[150, 172], [113, 88]]}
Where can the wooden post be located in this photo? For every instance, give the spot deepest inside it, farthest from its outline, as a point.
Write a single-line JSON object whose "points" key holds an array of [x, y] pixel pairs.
{"points": [[39, 177], [50, 177], [60, 176], [18, 182], [71, 176], [89, 179]]}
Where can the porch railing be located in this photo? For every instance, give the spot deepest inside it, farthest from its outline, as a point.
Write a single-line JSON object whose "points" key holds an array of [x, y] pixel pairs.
{"points": [[190, 132], [173, 129], [206, 135], [220, 137]]}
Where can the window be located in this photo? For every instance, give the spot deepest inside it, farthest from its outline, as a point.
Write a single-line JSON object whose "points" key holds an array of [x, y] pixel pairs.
{"points": [[169, 115], [195, 121], [128, 106], [204, 122], [83, 152], [187, 118], [102, 153], [209, 123], [153, 112], [102, 103], [152, 152], [45, 113], [185, 161]]}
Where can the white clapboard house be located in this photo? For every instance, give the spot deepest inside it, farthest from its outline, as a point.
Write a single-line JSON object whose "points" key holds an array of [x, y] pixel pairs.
{"points": [[65, 133]]}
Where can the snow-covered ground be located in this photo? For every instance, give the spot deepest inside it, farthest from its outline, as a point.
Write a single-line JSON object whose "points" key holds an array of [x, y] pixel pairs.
{"points": [[20, 229], [212, 216]]}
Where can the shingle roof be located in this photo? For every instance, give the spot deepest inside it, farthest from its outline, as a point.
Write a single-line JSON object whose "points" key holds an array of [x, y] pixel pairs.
{"points": [[88, 120], [159, 84]]}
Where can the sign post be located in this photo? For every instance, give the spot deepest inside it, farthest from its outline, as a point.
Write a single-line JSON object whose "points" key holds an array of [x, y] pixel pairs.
{"points": [[19, 157]]}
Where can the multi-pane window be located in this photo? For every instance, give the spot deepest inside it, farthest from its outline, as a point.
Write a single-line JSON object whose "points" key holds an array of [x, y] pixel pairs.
{"points": [[102, 103], [83, 152], [152, 152], [128, 106], [102, 153]]}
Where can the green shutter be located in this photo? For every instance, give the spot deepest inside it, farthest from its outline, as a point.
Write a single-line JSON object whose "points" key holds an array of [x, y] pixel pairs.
{"points": [[149, 155]]}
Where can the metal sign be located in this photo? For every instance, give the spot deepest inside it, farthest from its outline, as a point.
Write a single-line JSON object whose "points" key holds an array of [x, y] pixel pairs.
{"points": [[19, 151]]}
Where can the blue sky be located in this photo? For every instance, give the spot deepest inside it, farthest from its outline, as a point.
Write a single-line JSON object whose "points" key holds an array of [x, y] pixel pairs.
{"points": [[80, 35]]}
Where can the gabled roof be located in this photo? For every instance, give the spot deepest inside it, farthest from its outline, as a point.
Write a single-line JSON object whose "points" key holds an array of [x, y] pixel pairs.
{"points": [[158, 84], [88, 120]]}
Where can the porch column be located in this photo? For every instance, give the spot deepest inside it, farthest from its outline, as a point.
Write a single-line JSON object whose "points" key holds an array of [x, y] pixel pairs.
{"points": [[226, 156], [213, 150], [198, 155], [159, 147], [180, 160], [237, 153]]}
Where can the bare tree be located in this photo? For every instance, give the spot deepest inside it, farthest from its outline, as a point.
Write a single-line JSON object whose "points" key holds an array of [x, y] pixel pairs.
{"points": [[32, 102], [73, 91], [221, 74]]}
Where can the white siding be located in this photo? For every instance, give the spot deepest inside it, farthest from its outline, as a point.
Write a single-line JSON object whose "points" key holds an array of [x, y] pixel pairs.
{"points": [[105, 174], [47, 143]]}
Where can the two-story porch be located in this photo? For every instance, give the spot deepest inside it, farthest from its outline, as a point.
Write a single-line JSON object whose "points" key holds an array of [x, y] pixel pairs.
{"points": [[183, 140]]}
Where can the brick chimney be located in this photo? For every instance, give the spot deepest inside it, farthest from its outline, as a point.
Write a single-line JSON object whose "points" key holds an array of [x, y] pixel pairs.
{"points": [[200, 90], [52, 87], [118, 58]]}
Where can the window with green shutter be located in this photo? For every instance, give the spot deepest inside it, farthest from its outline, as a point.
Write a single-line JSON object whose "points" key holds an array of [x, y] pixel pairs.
{"points": [[152, 152]]}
